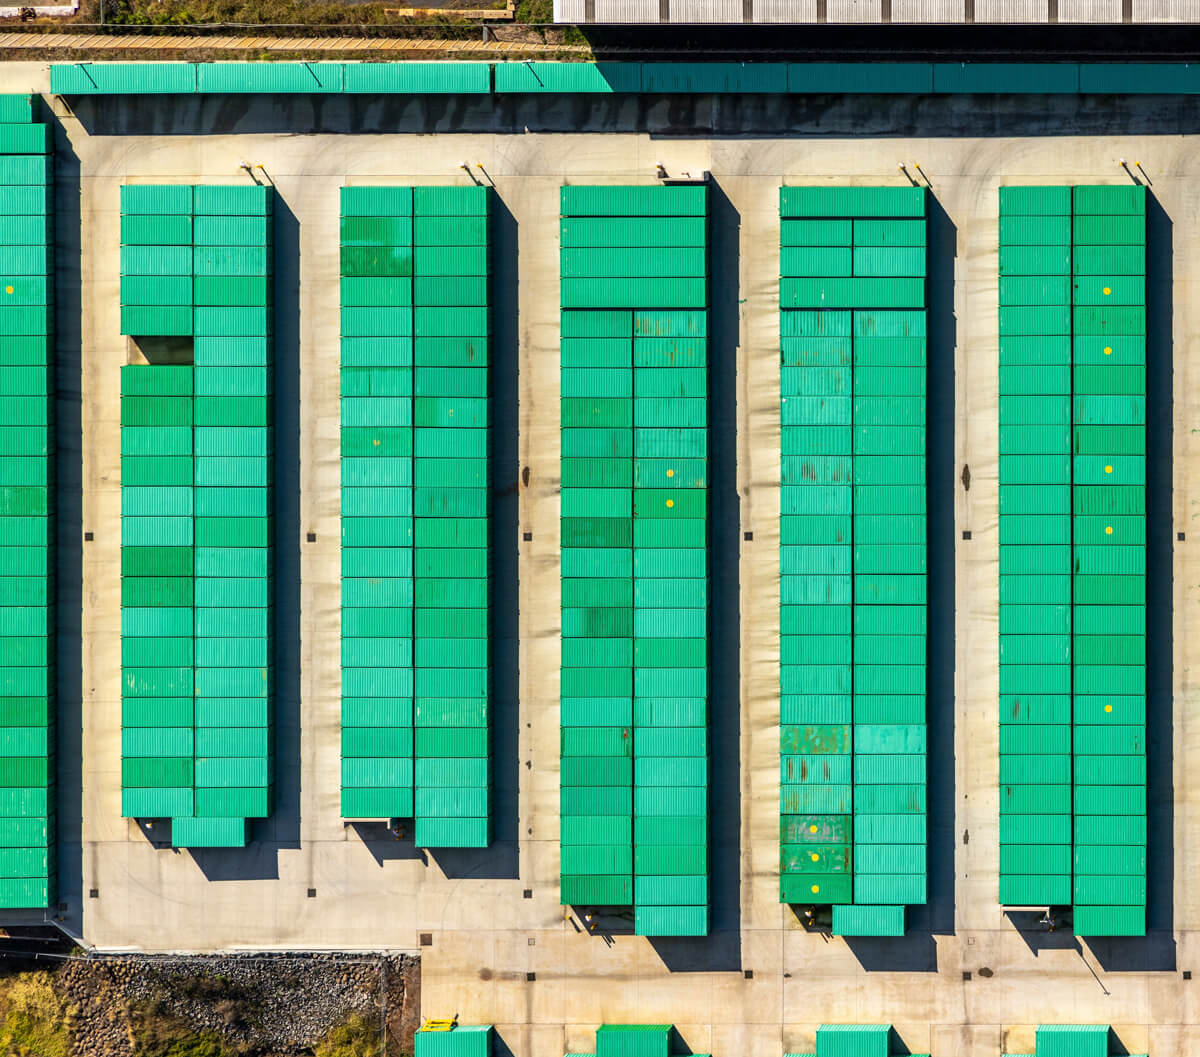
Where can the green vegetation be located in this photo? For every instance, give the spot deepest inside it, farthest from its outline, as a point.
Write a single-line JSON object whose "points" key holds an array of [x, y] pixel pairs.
{"points": [[157, 1033], [535, 11], [358, 1037], [37, 1022], [272, 12]]}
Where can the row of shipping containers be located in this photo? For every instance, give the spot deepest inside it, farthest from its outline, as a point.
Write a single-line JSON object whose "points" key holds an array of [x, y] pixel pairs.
{"points": [[27, 736], [832, 1040], [481, 78], [197, 554], [416, 552], [1072, 553], [197, 517], [634, 509], [853, 553]]}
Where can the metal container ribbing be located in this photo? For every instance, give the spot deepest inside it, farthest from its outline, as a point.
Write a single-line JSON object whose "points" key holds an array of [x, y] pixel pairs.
{"points": [[852, 557], [197, 514], [415, 510], [1035, 560], [634, 683], [1072, 564], [27, 691]]}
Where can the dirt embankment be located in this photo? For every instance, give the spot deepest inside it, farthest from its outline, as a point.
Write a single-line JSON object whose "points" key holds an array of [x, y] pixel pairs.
{"points": [[319, 1005]]}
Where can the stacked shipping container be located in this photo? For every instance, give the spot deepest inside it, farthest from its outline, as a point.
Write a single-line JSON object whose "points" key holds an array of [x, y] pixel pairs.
{"points": [[1109, 559], [852, 560], [1072, 501], [634, 779], [1035, 545], [457, 1041], [674, 78], [633, 1040], [415, 503], [27, 742], [377, 559], [853, 1040], [1071, 1040], [197, 514]]}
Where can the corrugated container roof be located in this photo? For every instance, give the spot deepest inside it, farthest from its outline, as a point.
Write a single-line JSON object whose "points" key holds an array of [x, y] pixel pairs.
{"points": [[463, 78], [633, 1040], [129, 78], [853, 1040], [1049, 78], [691, 77], [877, 77], [592, 77], [255, 77], [18, 109], [1072, 1040], [459, 1041], [636, 200]]}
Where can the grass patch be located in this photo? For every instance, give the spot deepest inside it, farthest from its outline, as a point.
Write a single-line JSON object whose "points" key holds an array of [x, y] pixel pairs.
{"points": [[37, 1022], [357, 1037], [535, 11], [157, 1033], [252, 12]]}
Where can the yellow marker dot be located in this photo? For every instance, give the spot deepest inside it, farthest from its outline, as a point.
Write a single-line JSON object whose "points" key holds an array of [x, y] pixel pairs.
{"points": [[670, 473], [376, 443], [1108, 469], [815, 857], [1107, 290], [816, 889], [1108, 530], [1108, 708], [1108, 351], [670, 502], [812, 829], [8, 289]]}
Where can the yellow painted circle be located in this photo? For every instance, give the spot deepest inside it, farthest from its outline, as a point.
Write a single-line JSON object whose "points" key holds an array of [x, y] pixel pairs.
{"points": [[1108, 469], [815, 857], [1108, 352], [812, 829], [670, 502], [1107, 290], [816, 889], [375, 442], [670, 473], [1108, 708], [1108, 530]]}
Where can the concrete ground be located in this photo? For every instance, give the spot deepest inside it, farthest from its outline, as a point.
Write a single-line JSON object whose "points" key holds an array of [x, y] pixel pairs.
{"points": [[968, 981]]}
